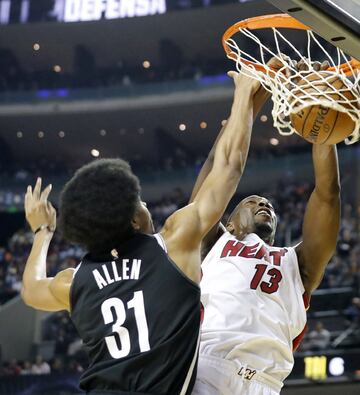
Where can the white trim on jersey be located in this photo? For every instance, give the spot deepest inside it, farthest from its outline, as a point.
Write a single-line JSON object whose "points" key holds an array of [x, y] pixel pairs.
{"points": [[161, 241], [191, 369], [77, 269]]}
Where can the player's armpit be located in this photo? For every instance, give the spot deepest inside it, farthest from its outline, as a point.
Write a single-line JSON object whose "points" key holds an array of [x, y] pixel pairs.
{"points": [[49, 294], [186, 228], [211, 238]]}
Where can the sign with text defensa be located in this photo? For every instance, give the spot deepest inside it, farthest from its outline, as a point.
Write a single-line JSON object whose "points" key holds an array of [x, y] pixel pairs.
{"points": [[90, 10], [24, 11]]}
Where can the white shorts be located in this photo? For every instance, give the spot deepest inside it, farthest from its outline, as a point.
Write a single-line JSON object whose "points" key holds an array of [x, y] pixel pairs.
{"points": [[222, 377]]}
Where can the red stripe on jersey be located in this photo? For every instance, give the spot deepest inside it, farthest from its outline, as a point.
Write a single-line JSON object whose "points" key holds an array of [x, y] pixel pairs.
{"points": [[306, 299], [298, 338], [202, 311]]}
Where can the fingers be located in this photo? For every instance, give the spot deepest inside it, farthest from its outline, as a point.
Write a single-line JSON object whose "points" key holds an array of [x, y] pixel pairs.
{"points": [[37, 189], [28, 194], [52, 216], [45, 193], [305, 64], [302, 65], [278, 62], [325, 65], [316, 66], [37, 195]]}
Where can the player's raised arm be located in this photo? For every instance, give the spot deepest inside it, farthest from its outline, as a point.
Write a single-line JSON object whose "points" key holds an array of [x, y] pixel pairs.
{"points": [[259, 100], [322, 218], [185, 229], [38, 290]]}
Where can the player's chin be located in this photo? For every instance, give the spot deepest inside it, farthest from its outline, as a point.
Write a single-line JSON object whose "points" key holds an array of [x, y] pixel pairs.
{"points": [[265, 226], [264, 222]]}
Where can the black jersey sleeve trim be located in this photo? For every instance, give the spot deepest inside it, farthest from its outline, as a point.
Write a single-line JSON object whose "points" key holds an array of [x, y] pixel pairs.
{"points": [[161, 241]]}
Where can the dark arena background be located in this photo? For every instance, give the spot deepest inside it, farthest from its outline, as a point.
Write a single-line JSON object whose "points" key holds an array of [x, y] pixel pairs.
{"points": [[146, 80]]}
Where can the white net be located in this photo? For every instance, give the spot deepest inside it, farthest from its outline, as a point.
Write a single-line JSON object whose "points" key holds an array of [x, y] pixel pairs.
{"points": [[290, 97]]}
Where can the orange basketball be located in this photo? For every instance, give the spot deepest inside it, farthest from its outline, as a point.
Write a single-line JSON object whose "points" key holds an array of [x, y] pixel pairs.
{"points": [[318, 124]]}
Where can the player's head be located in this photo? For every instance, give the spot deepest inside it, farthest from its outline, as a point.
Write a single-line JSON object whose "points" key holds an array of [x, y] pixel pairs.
{"points": [[100, 206], [254, 214]]}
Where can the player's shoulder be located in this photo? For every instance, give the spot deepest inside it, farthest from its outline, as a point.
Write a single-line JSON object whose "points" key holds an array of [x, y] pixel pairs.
{"points": [[65, 275]]}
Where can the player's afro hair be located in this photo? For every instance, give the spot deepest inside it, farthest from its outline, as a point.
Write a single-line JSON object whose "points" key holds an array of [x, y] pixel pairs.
{"points": [[98, 204]]}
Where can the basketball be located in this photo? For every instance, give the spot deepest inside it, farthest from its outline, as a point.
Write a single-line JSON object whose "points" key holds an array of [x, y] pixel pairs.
{"points": [[320, 124]]}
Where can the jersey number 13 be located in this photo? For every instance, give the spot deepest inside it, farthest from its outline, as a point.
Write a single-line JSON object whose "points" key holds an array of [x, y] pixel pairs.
{"points": [[267, 287]]}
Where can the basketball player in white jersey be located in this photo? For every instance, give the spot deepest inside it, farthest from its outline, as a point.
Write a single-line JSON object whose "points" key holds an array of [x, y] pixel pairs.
{"points": [[255, 295]]}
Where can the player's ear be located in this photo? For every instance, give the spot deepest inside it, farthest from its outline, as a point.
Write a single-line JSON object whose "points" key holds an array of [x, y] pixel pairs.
{"points": [[230, 227], [136, 221], [135, 224]]}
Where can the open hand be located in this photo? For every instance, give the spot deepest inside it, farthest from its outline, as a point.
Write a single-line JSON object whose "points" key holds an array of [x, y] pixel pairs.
{"points": [[38, 210]]}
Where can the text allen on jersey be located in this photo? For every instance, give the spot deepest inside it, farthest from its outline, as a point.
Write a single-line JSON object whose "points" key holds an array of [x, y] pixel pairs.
{"points": [[117, 271]]}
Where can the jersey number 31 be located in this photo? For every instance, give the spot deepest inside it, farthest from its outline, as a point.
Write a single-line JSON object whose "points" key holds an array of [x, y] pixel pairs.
{"points": [[136, 303]]}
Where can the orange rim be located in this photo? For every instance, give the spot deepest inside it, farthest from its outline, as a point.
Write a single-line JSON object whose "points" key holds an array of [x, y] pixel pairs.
{"points": [[278, 21]]}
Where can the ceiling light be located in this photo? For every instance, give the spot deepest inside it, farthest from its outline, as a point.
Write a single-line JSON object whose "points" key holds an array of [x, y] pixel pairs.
{"points": [[95, 153], [182, 127]]}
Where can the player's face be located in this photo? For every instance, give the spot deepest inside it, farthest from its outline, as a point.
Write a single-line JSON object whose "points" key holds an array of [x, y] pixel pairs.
{"points": [[142, 221], [255, 214]]}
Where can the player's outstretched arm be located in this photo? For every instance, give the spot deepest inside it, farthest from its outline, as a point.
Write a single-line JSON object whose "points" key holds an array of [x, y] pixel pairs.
{"points": [[259, 100], [185, 229], [322, 218], [38, 290]]}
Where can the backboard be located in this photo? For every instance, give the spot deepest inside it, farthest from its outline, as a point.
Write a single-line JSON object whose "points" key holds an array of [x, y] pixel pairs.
{"points": [[337, 21]]}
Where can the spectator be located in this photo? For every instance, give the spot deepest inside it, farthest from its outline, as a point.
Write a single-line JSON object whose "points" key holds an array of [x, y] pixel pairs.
{"points": [[352, 313], [12, 368], [40, 366], [319, 338], [27, 369], [57, 366]]}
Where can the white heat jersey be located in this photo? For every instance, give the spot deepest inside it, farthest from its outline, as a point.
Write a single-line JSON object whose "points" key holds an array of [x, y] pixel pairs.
{"points": [[253, 299]]}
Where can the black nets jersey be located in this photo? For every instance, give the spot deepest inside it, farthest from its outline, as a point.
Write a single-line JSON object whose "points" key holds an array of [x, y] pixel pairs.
{"points": [[139, 318]]}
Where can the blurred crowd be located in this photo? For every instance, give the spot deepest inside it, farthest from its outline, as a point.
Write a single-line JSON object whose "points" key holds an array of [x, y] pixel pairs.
{"points": [[85, 73], [290, 200], [40, 367]]}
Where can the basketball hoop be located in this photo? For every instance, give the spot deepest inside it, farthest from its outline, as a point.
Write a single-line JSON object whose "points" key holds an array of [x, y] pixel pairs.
{"points": [[280, 83]]}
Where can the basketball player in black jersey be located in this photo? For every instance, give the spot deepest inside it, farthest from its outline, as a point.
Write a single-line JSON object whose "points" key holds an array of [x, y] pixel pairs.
{"points": [[134, 298]]}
